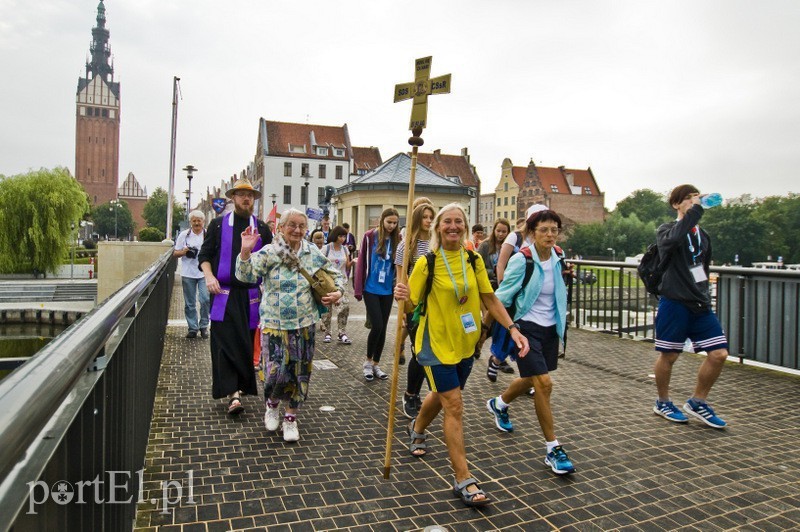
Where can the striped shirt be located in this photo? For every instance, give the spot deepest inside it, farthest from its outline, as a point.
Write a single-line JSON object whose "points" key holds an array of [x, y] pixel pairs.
{"points": [[422, 249]]}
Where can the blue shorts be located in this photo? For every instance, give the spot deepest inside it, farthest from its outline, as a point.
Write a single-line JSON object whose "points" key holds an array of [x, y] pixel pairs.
{"points": [[446, 377], [675, 323]]}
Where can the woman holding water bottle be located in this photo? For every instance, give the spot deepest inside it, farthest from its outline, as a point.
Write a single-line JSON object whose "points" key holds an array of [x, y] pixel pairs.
{"points": [[684, 307]]}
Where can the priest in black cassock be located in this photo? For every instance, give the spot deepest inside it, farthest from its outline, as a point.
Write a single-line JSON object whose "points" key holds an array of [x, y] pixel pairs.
{"points": [[234, 305]]}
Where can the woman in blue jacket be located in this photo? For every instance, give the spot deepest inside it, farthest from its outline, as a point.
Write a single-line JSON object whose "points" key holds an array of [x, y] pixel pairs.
{"points": [[541, 315]]}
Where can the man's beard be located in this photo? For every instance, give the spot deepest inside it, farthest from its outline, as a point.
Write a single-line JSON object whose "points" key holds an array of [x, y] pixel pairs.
{"points": [[241, 211]]}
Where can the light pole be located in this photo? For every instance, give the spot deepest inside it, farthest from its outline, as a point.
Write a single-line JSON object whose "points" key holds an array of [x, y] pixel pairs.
{"points": [[190, 170], [305, 188], [613, 254], [273, 197], [72, 264], [115, 207]]}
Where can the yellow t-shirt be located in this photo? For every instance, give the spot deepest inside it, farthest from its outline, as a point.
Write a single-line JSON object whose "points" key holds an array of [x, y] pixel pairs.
{"points": [[449, 342]]}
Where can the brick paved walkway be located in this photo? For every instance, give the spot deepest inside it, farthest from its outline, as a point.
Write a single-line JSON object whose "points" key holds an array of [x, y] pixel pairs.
{"points": [[636, 471]]}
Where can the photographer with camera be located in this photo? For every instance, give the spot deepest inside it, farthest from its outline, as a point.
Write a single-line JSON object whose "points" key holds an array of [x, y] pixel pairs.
{"points": [[194, 284]]}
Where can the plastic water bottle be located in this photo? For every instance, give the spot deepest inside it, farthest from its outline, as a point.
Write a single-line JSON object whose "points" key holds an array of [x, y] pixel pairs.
{"points": [[711, 200]]}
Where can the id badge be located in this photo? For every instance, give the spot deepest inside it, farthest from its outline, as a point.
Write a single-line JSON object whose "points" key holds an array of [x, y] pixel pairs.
{"points": [[382, 276], [698, 273], [468, 322]]}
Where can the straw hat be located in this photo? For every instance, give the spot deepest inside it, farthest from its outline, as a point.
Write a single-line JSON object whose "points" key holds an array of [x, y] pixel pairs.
{"points": [[242, 184]]}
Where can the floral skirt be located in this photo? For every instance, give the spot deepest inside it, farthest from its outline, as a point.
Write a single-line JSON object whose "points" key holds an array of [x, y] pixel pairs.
{"points": [[288, 359]]}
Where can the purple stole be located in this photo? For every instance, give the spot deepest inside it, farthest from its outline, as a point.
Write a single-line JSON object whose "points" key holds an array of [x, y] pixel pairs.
{"points": [[224, 274]]}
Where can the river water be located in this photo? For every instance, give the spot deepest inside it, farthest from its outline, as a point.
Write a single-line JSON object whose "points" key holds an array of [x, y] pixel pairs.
{"points": [[25, 339]]}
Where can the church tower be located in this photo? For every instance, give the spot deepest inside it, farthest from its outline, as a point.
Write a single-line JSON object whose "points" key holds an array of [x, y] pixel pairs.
{"points": [[97, 120]]}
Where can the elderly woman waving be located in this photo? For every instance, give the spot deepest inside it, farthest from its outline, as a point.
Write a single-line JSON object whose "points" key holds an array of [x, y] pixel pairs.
{"points": [[287, 312], [446, 337]]}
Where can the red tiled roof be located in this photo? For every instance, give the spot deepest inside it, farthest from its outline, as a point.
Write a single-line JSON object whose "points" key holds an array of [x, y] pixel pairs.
{"points": [[583, 179], [450, 166], [519, 173], [280, 135], [366, 158], [550, 177]]}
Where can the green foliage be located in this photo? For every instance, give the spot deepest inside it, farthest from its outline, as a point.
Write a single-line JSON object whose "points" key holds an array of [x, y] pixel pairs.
{"points": [[36, 210], [627, 236], [151, 234], [647, 205], [105, 222], [155, 211]]}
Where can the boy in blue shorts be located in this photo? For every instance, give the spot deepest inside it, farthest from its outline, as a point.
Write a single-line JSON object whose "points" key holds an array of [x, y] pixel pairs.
{"points": [[684, 310]]}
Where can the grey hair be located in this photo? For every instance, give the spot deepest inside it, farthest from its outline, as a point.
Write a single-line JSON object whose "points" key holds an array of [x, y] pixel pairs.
{"points": [[197, 214], [288, 213], [435, 242]]}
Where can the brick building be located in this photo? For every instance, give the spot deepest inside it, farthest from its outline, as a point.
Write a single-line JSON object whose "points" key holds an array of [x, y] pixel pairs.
{"points": [[459, 170], [97, 120]]}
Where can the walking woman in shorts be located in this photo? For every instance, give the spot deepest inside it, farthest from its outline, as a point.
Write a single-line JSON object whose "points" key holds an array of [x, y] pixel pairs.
{"points": [[446, 336]]}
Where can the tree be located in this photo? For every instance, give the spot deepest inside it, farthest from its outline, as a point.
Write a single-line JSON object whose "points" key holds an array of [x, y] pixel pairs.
{"points": [[737, 230], [627, 236], [647, 205], [155, 211], [151, 234], [107, 222], [36, 213], [782, 216]]}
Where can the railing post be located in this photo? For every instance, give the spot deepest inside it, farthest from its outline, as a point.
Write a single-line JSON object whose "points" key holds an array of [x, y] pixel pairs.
{"points": [[620, 292]]}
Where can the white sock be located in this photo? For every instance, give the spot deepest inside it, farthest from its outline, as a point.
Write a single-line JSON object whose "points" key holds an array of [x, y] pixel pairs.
{"points": [[499, 403], [551, 444]]}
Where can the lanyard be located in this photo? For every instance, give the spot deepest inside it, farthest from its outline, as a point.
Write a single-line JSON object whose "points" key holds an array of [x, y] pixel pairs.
{"points": [[699, 245], [461, 299]]}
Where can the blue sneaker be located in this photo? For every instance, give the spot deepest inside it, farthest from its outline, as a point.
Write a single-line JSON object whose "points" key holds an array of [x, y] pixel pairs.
{"points": [[558, 461], [669, 411], [500, 416], [704, 413]]}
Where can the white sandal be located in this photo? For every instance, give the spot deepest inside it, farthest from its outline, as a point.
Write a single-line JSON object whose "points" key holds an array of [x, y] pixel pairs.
{"points": [[344, 339]]}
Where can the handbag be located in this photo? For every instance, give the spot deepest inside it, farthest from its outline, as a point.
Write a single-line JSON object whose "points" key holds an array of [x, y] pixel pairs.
{"points": [[321, 283]]}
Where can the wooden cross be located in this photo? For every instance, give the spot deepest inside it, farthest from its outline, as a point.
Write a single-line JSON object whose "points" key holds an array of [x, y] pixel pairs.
{"points": [[419, 89]]}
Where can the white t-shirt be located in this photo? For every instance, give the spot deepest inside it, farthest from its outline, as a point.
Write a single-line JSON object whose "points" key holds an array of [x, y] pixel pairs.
{"points": [[511, 240], [188, 239], [337, 258], [543, 309]]}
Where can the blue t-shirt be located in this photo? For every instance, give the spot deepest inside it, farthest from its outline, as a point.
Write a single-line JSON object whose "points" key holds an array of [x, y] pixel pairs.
{"points": [[381, 264]]}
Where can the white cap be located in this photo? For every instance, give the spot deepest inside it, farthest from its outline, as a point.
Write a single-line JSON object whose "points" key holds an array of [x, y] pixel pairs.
{"points": [[533, 209]]}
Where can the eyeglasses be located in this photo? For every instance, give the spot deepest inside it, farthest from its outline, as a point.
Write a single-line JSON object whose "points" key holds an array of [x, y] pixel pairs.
{"points": [[244, 194], [548, 230], [294, 226]]}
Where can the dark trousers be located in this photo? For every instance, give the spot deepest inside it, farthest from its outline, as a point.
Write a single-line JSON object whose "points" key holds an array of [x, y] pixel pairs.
{"points": [[379, 308]]}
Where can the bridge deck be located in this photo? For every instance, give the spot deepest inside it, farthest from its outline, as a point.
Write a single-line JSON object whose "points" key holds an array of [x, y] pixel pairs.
{"points": [[636, 471]]}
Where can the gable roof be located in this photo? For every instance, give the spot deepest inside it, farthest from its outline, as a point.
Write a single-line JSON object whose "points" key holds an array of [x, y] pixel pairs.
{"points": [[518, 173], [557, 177], [278, 138], [131, 188], [451, 166], [366, 159]]}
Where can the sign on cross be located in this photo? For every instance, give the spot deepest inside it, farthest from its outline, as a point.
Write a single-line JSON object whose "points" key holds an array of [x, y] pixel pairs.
{"points": [[419, 89]]}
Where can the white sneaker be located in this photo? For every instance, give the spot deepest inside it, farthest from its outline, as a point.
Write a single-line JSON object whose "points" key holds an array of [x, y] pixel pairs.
{"points": [[378, 373], [290, 432], [272, 418], [368, 376]]}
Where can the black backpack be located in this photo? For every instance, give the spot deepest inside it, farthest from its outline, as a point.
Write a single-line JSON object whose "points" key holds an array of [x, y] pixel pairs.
{"points": [[651, 269]]}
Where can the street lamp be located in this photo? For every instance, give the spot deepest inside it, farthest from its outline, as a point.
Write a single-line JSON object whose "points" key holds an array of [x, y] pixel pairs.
{"points": [[189, 169], [613, 254], [115, 207], [72, 264], [273, 197], [305, 189]]}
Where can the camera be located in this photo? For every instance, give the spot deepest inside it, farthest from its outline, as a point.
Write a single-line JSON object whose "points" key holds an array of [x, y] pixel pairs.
{"points": [[192, 252]]}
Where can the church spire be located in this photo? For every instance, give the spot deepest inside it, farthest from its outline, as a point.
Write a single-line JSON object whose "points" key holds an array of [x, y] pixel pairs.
{"points": [[99, 49]]}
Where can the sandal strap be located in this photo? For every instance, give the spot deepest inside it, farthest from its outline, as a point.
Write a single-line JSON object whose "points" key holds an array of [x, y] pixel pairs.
{"points": [[460, 486]]}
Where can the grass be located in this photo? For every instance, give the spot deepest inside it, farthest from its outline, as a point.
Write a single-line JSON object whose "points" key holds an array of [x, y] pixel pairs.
{"points": [[609, 277]]}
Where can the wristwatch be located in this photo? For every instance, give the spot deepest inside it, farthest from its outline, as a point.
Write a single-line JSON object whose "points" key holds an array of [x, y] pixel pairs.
{"points": [[513, 326]]}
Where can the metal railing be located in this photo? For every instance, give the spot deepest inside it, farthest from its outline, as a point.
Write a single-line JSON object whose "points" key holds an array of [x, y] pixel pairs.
{"points": [[759, 309], [75, 419]]}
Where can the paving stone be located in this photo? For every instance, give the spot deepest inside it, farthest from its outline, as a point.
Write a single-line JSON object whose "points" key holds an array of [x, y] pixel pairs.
{"points": [[636, 471]]}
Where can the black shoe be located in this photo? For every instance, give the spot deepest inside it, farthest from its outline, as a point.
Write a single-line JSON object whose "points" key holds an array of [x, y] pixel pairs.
{"points": [[192, 334], [204, 333], [505, 368], [410, 406]]}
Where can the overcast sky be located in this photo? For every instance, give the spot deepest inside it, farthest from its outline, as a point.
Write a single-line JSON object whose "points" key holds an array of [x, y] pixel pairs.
{"points": [[649, 94]]}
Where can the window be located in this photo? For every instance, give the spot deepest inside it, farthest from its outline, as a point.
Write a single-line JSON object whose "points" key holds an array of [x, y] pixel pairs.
{"points": [[304, 170], [338, 152], [287, 169], [554, 188], [513, 200], [287, 194], [322, 151], [373, 215], [103, 172], [303, 195], [498, 201], [338, 171], [505, 187], [322, 171], [105, 113], [362, 171], [297, 148], [320, 195], [587, 190], [505, 200]]}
